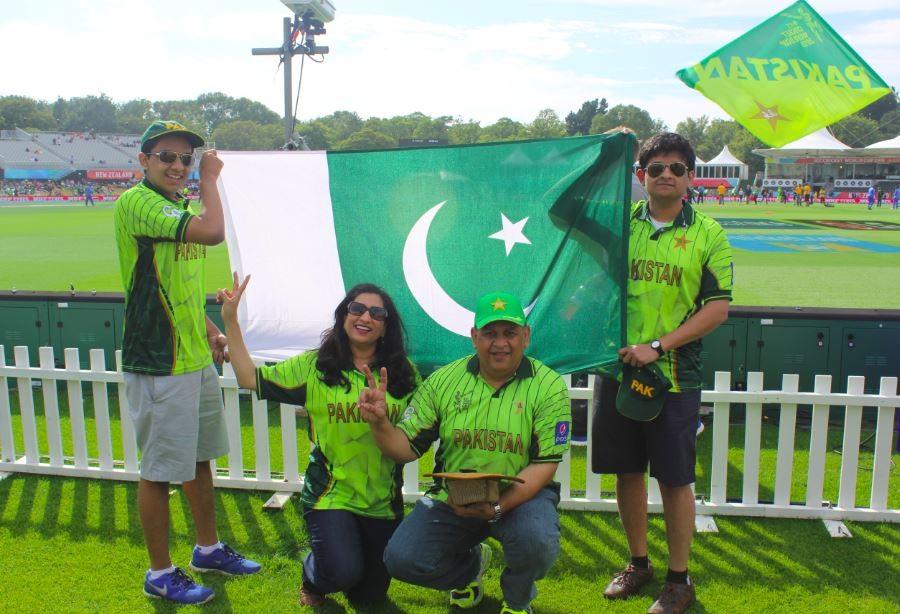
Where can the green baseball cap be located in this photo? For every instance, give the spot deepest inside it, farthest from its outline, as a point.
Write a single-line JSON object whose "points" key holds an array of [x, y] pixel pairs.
{"points": [[642, 392], [499, 306], [162, 128]]}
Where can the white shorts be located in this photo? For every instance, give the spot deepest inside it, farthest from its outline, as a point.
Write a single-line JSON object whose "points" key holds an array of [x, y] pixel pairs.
{"points": [[179, 421]]}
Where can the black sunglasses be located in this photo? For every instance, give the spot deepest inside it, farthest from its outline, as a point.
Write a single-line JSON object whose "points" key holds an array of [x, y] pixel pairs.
{"points": [[168, 157], [655, 169], [378, 314]]}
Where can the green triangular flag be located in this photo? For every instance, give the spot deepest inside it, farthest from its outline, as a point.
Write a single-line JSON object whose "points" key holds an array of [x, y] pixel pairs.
{"points": [[787, 77]]}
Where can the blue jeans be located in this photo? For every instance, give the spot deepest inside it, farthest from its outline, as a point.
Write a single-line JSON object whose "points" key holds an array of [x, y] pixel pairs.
{"points": [[347, 554], [434, 547]]}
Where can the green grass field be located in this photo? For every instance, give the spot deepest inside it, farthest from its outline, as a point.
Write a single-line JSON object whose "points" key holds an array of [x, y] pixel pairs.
{"points": [[74, 545], [77, 544], [51, 247]]}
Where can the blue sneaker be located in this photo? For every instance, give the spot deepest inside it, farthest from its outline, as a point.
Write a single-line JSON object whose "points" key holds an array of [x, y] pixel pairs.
{"points": [[177, 586], [225, 561]]}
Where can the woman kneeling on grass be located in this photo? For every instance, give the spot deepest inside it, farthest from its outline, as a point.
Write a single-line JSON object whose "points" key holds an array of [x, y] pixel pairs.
{"points": [[351, 498]]}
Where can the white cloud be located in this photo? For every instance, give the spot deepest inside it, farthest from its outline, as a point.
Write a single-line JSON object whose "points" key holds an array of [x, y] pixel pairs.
{"points": [[881, 33], [728, 8], [382, 65]]}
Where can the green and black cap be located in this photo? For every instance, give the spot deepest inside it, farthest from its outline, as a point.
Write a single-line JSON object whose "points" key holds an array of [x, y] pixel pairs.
{"points": [[161, 128], [643, 392]]}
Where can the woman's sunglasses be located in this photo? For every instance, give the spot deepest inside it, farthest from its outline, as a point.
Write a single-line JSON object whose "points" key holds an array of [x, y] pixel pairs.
{"points": [[378, 314], [168, 157], [655, 169]]}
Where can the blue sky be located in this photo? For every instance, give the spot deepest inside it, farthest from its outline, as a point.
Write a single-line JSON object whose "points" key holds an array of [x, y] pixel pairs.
{"points": [[475, 60]]}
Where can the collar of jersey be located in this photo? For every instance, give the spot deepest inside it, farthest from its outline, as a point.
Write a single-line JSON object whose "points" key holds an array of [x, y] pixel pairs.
{"points": [[525, 369], [146, 183], [685, 217]]}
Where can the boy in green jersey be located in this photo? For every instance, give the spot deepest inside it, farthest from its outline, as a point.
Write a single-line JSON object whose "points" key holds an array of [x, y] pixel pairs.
{"points": [[679, 287], [168, 350], [496, 411]]}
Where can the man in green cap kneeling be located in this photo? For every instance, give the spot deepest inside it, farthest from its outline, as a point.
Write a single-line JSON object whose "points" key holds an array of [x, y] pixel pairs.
{"points": [[498, 413]]}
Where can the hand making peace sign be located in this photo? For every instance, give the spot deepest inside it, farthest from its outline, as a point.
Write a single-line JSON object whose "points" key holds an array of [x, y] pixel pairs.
{"points": [[230, 299], [372, 403]]}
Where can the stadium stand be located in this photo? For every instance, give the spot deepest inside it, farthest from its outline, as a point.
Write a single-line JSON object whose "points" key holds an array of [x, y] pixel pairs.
{"points": [[67, 162], [73, 151], [85, 147], [28, 153]]}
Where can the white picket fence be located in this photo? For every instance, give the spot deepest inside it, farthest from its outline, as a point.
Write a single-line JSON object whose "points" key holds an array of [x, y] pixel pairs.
{"points": [[259, 476]]}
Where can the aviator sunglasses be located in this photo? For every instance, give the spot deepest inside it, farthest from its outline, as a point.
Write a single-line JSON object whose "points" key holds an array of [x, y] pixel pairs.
{"points": [[378, 314], [655, 169], [168, 157]]}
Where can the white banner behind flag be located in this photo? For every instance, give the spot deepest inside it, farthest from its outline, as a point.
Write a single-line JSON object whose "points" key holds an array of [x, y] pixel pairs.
{"points": [[280, 229]]}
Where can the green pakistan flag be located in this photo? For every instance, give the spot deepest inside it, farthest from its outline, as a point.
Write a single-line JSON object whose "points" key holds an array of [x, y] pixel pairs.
{"points": [[544, 220], [787, 77]]}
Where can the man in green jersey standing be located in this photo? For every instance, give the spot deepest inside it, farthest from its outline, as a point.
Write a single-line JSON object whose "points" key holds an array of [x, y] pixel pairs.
{"points": [[679, 287], [496, 411], [168, 350]]}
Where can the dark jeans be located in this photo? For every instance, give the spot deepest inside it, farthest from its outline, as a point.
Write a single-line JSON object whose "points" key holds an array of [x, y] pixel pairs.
{"points": [[347, 554], [434, 547]]}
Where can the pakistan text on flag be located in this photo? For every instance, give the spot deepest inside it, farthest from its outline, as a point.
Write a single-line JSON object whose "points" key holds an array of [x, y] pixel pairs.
{"points": [[787, 77], [436, 228]]}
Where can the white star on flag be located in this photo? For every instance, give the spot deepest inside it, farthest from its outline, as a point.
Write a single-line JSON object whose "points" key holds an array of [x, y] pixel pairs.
{"points": [[511, 233]]}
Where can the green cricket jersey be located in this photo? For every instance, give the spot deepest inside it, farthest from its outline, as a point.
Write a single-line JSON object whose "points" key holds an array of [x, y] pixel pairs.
{"points": [[164, 279], [673, 272], [346, 470], [525, 421]]}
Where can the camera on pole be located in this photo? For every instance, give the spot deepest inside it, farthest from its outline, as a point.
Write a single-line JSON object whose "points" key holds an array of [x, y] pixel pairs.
{"points": [[309, 21]]}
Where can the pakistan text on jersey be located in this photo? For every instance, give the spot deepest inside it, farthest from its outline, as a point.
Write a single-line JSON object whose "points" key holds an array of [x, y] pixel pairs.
{"points": [[654, 270], [190, 251], [338, 413], [492, 441]]}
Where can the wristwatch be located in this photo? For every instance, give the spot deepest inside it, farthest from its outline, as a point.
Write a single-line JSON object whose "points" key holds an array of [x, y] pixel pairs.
{"points": [[656, 344], [498, 513]]}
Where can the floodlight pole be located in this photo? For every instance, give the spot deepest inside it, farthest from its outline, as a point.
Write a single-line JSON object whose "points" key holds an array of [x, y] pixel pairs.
{"points": [[286, 52]]}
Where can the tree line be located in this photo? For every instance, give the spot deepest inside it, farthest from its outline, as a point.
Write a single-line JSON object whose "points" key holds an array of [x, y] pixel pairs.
{"points": [[244, 124]]}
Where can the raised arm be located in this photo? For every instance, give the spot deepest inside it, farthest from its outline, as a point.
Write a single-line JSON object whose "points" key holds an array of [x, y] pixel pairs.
{"points": [[372, 407], [208, 228], [243, 365]]}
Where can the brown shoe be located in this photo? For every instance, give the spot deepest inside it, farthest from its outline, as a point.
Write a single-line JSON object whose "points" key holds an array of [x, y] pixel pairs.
{"points": [[310, 598], [674, 599], [627, 582]]}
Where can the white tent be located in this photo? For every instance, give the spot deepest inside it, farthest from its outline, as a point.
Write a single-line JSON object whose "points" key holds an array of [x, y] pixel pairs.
{"points": [[893, 143], [725, 157], [723, 166], [821, 140]]}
